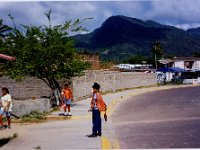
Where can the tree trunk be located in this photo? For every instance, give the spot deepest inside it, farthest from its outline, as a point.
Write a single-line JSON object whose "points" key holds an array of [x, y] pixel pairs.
{"points": [[54, 85], [56, 91], [57, 96], [155, 61]]}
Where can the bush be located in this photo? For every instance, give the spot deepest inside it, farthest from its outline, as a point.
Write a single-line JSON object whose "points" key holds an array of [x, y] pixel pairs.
{"points": [[34, 116]]}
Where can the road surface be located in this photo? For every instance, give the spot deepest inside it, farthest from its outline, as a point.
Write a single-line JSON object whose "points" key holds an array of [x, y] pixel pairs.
{"points": [[160, 119]]}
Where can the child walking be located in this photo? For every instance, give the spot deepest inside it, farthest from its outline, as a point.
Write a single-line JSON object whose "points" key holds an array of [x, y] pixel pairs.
{"points": [[66, 96], [97, 106], [6, 108]]}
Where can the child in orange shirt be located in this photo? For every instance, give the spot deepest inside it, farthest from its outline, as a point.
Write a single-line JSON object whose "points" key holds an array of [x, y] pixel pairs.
{"points": [[66, 96], [97, 106]]}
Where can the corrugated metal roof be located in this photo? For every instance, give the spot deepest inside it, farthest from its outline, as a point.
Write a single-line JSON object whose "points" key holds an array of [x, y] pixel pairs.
{"points": [[6, 57], [186, 58]]}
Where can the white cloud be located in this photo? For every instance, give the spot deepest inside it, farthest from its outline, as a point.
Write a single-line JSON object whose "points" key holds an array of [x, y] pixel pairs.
{"points": [[33, 12], [175, 11], [180, 13], [24, 13], [187, 26], [133, 9]]}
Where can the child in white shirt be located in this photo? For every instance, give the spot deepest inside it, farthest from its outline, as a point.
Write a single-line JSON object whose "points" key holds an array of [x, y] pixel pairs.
{"points": [[6, 107]]}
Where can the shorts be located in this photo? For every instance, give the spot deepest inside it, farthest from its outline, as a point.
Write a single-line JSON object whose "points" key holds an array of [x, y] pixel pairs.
{"points": [[67, 102], [2, 112]]}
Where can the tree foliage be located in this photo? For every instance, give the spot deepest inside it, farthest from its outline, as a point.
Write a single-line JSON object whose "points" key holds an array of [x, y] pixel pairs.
{"points": [[3, 29], [136, 60], [44, 52], [157, 51], [196, 54]]}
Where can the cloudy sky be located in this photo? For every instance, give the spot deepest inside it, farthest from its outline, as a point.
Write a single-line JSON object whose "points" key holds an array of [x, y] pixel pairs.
{"points": [[180, 13]]}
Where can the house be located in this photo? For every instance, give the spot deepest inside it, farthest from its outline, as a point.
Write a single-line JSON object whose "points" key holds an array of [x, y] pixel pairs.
{"points": [[6, 57], [186, 63], [190, 68]]}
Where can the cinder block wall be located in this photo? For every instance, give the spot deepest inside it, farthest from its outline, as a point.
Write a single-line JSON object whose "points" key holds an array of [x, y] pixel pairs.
{"points": [[21, 107], [110, 81], [26, 89], [82, 86]]}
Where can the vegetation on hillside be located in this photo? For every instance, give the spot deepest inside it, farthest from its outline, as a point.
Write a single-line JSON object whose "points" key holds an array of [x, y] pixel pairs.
{"points": [[120, 37]]}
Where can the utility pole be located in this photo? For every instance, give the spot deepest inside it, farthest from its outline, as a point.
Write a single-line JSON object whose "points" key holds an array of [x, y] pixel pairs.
{"points": [[156, 61]]}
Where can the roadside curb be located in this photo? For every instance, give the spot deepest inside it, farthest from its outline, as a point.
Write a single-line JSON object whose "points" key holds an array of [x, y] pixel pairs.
{"points": [[55, 118]]}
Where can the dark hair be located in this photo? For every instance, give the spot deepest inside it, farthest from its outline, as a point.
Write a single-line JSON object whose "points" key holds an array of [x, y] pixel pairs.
{"points": [[5, 89], [67, 84], [96, 86]]}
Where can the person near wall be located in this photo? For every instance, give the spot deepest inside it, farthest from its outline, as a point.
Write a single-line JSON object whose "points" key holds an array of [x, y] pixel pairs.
{"points": [[6, 107], [97, 105], [66, 96]]}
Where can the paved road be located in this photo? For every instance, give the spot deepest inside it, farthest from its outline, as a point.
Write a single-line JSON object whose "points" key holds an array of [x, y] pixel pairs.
{"points": [[161, 119], [70, 134]]}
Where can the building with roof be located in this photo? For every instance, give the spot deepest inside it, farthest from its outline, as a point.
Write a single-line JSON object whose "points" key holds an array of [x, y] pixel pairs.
{"points": [[186, 68], [6, 57], [186, 63]]}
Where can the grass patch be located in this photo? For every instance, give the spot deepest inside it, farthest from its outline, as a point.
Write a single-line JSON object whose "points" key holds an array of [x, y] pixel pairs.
{"points": [[56, 108], [33, 117], [4, 141]]}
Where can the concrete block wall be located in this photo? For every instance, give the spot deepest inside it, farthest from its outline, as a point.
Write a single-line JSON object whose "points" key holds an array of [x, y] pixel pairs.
{"points": [[25, 89], [110, 81], [21, 107], [82, 87]]}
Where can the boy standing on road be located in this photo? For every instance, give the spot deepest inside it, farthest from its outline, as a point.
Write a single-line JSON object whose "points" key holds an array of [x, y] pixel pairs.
{"points": [[66, 99], [6, 108], [97, 105]]}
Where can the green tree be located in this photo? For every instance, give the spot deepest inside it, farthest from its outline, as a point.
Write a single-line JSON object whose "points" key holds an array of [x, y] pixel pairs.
{"points": [[196, 54], [136, 59], [45, 52], [157, 51], [3, 29]]}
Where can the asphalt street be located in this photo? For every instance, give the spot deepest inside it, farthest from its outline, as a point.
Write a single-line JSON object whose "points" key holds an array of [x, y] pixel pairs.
{"points": [[161, 119]]}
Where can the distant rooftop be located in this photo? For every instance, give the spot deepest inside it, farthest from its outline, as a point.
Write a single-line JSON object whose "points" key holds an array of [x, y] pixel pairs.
{"points": [[165, 61], [6, 57], [186, 58]]}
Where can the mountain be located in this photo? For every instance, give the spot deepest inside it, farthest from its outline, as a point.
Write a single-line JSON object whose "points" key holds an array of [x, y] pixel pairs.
{"points": [[194, 32], [120, 37]]}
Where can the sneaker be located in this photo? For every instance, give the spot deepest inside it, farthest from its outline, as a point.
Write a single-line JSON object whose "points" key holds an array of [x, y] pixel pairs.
{"points": [[69, 114], [9, 127], [65, 114], [92, 135]]}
